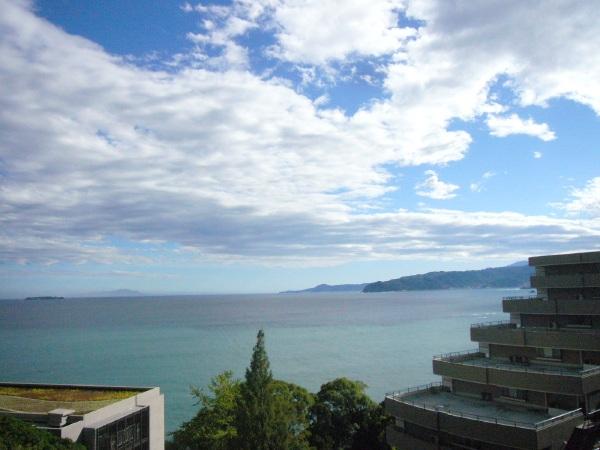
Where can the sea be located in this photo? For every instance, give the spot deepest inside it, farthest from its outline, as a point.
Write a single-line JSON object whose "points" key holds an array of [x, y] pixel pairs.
{"points": [[385, 340]]}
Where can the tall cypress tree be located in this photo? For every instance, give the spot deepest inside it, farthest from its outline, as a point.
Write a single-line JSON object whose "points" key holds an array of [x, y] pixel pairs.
{"points": [[256, 408]]}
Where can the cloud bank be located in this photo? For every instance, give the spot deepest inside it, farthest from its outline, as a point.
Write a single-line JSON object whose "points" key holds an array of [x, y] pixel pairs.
{"points": [[228, 165]]}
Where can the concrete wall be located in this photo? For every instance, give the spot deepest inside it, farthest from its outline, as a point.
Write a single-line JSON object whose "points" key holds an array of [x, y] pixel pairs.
{"points": [[402, 441], [156, 401], [566, 281], [570, 258], [151, 398], [567, 306]]}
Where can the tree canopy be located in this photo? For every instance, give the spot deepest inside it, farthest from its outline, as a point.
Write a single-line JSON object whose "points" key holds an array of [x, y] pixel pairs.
{"points": [[262, 413], [344, 417], [213, 427], [18, 435]]}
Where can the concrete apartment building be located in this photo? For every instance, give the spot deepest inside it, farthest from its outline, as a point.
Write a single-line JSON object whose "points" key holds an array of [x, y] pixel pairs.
{"points": [[100, 417], [532, 380]]}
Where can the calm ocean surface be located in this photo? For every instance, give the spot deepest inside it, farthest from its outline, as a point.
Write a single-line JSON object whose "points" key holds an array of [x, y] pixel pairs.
{"points": [[386, 340]]}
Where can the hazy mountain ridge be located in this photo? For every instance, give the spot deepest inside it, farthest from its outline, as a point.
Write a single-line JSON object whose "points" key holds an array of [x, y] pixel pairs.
{"points": [[514, 275], [331, 288], [493, 277]]}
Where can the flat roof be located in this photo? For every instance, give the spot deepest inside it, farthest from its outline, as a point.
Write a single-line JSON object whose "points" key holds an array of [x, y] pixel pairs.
{"points": [[43, 398], [451, 403]]}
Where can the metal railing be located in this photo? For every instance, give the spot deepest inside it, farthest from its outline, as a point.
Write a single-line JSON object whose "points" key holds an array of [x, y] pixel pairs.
{"points": [[456, 355], [480, 360], [495, 324], [401, 397], [512, 325], [523, 297]]}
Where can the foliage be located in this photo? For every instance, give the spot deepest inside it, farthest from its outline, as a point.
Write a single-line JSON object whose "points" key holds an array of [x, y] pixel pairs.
{"points": [[213, 427], [272, 414], [261, 413], [344, 417], [256, 406], [290, 425], [66, 394], [18, 435]]}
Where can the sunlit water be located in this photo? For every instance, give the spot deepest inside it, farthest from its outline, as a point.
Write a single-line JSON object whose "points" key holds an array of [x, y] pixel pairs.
{"points": [[385, 339]]}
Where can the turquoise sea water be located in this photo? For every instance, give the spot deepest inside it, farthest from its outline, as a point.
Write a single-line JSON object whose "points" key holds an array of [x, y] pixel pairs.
{"points": [[384, 339]]}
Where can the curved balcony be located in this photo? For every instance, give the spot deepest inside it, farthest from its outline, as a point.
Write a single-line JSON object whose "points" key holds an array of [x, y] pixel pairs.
{"points": [[536, 305], [506, 333], [475, 367], [579, 280], [434, 407]]}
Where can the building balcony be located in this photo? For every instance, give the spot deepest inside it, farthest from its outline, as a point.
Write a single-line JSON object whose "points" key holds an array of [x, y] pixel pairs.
{"points": [[536, 376], [572, 258], [535, 305], [435, 408], [506, 333], [580, 280]]}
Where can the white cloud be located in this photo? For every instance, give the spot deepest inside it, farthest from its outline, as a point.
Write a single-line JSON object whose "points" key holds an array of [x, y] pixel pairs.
{"points": [[513, 124], [584, 201], [478, 186], [435, 188], [317, 32], [227, 165], [537, 155]]}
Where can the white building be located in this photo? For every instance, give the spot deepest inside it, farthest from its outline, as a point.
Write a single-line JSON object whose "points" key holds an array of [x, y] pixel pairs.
{"points": [[100, 417]]}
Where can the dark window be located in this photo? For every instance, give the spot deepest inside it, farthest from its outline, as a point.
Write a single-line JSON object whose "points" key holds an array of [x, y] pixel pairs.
{"points": [[128, 433], [517, 394]]}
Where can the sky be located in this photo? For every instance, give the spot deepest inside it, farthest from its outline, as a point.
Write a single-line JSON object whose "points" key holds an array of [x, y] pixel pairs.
{"points": [[263, 145]]}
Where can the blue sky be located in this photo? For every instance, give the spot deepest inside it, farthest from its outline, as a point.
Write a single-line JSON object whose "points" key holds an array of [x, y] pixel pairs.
{"points": [[258, 146]]}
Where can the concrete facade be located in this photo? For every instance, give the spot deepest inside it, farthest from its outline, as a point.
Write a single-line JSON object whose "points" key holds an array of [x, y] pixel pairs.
{"points": [[531, 381], [135, 422]]}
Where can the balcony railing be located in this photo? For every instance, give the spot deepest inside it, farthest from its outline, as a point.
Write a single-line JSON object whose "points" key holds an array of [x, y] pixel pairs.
{"points": [[523, 297], [401, 396], [459, 356], [564, 329], [495, 324], [478, 359]]}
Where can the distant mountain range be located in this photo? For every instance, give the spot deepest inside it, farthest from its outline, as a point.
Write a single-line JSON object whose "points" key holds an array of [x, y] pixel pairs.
{"points": [[331, 288], [515, 275]]}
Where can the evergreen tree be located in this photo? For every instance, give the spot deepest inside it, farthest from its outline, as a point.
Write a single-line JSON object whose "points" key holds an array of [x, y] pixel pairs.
{"points": [[255, 417]]}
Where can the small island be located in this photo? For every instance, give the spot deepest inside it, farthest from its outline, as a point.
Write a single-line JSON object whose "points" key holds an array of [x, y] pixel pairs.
{"points": [[44, 298]]}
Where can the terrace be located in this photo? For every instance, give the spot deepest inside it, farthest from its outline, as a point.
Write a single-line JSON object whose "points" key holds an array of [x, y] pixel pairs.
{"points": [[475, 367], [566, 337], [477, 359], [435, 397], [435, 408]]}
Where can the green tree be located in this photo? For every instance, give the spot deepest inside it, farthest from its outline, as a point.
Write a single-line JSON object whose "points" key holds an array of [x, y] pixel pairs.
{"points": [[272, 414], [213, 427], [256, 407], [18, 435], [290, 428], [344, 417]]}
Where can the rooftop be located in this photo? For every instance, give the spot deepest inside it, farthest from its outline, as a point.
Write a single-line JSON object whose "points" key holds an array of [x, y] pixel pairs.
{"points": [[439, 399], [39, 398]]}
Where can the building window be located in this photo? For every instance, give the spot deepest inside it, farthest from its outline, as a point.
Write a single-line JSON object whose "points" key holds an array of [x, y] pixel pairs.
{"points": [[516, 394], [129, 432], [550, 353]]}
